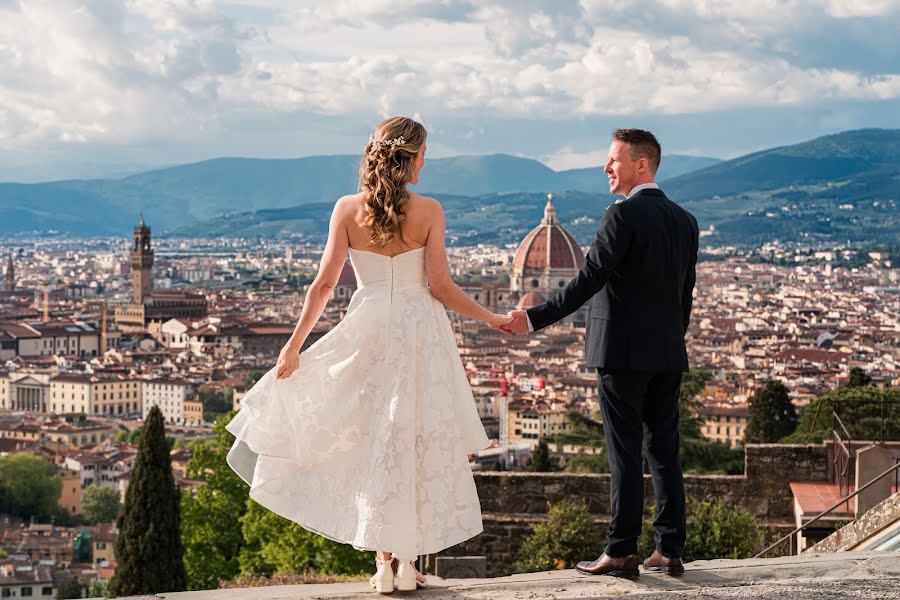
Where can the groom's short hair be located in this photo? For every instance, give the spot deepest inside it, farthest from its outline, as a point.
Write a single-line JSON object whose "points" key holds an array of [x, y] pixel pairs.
{"points": [[643, 145]]}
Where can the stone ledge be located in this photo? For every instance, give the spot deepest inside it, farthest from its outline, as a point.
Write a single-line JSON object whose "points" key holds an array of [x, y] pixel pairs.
{"points": [[877, 519], [874, 575]]}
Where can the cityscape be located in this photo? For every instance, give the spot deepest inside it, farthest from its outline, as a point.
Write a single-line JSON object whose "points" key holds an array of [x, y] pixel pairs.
{"points": [[171, 173], [96, 332]]}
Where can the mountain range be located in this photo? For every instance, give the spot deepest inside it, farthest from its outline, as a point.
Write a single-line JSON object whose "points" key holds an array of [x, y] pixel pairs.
{"points": [[843, 186], [181, 195]]}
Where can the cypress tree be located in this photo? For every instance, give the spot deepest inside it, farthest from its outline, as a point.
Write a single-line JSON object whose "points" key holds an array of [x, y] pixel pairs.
{"points": [[149, 552]]}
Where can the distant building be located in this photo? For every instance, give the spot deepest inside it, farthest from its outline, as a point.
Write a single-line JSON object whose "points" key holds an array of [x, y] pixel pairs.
{"points": [[726, 425], [170, 396], [26, 391], [71, 496], [544, 262], [533, 420], [95, 394], [147, 305], [193, 412], [9, 280], [56, 338], [33, 581]]}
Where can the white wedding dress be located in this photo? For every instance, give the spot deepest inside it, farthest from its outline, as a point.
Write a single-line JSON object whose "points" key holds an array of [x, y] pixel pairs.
{"points": [[366, 442]]}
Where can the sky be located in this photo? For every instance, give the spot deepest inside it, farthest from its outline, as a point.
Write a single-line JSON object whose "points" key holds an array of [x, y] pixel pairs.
{"points": [[96, 88]]}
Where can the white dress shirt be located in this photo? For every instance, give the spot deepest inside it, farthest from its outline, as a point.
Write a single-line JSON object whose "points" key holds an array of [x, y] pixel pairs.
{"points": [[634, 190]]}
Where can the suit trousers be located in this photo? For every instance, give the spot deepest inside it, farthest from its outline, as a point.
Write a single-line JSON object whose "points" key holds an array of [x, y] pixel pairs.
{"points": [[641, 409]]}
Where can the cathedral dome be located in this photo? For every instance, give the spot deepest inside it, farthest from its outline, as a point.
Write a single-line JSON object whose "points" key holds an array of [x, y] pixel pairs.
{"points": [[530, 300], [548, 246]]}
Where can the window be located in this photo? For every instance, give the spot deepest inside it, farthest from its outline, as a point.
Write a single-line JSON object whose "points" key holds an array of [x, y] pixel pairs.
{"points": [[26, 591], [47, 591]]}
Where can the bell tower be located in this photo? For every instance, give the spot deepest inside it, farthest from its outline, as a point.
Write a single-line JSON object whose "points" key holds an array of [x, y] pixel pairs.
{"points": [[141, 263], [10, 279]]}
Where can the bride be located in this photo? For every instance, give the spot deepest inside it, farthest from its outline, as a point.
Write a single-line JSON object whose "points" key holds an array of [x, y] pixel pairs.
{"points": [[363, 438]]}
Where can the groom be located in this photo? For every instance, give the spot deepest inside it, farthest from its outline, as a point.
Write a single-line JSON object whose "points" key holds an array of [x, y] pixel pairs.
{"points": [[639, 276]]}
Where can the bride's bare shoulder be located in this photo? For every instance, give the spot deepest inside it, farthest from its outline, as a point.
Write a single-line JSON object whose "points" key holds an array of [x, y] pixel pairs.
{"points": [[349, 205], [428, 203]]}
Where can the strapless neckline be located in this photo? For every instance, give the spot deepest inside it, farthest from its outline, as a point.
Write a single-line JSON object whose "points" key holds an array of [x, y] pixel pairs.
{"points": [[387, 255]]}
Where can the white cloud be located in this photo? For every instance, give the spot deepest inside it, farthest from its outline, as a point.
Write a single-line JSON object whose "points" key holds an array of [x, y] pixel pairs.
{"points": [[79, 72]]}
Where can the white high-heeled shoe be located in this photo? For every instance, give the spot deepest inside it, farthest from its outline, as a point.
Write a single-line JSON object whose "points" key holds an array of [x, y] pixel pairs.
{"points": [[406, 577], [383, 580]]}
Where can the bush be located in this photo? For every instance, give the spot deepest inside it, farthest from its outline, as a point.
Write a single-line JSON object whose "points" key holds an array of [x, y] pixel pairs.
{"points": [[274, 545], [569, 536], [714, 530], [703, 456], [588, 463]]}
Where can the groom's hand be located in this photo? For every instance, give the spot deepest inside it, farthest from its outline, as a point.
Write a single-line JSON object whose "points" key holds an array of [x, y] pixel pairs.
{"points": [[519, 323]]}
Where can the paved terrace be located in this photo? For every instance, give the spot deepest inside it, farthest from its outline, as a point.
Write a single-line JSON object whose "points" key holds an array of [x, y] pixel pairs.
{"points": [[856, 575]]}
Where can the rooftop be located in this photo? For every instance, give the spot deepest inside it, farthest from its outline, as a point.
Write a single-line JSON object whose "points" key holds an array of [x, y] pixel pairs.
{"points": [[860, 575]]}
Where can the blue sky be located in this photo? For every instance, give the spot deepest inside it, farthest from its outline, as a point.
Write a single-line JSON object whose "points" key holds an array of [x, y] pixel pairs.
{"points": [[104, 87]]}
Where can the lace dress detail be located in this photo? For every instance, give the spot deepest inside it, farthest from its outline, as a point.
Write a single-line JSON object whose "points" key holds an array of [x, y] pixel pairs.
{"points": [[366, 442]]}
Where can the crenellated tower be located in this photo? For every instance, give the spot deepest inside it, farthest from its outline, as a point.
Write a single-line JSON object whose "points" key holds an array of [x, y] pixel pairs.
{"points": [[141, 263]]}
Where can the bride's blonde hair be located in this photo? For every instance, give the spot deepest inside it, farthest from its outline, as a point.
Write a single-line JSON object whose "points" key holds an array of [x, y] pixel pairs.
{"points": [[385, 170]]}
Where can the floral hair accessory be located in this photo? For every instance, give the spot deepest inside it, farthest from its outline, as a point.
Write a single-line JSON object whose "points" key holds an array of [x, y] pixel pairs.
{"points": [[398, 141]]}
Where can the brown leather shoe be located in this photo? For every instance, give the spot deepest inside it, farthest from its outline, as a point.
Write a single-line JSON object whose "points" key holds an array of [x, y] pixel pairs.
{"points": [[660, 564], [624, 566]]}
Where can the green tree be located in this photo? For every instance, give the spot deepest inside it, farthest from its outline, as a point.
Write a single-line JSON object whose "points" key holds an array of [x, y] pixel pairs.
{"points": [[772, 414], [569, 535], [100, 504], [859, 408], [212, 542], [254, 376], [714, 530], [690, 421], [29, 486], [275, 545], [149, 549], [540, 460], [858, 378], [697, 454], [129, 437], [70, 588], [99, 588], [3, 554]]}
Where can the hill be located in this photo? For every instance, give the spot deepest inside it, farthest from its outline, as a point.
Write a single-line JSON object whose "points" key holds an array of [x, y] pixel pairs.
{"points": [[182, 195]]}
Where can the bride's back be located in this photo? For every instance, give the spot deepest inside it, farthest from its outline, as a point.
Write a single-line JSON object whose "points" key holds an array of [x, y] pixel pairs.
{"points": [[419, 216]]}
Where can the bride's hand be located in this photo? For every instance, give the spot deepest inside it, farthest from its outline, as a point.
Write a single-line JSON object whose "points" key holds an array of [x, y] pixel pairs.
{"points": [[499, 321], [288, 361]]}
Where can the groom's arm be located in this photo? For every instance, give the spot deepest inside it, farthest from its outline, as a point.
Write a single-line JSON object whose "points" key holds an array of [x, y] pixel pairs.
{"points": [[605, 255], [687, 292]]}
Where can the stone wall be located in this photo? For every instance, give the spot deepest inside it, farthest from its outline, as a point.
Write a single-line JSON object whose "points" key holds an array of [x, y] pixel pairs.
{"points": [[511, 502]]}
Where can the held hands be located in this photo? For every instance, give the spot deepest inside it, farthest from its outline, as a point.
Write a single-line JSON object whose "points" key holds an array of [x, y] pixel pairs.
{"points": [[288, 361], [518, 323], [499, 322], [514, 322]]}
